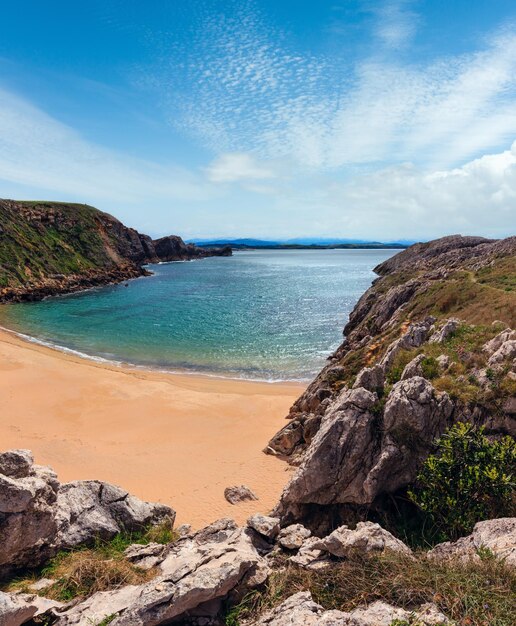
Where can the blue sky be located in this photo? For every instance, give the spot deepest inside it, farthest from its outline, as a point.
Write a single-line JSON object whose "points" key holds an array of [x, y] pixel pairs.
{"points": [[383, 120]]}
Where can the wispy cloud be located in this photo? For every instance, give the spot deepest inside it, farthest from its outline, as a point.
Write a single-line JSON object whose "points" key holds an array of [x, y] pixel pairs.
{"points": [[236, 167], [247, 88]]}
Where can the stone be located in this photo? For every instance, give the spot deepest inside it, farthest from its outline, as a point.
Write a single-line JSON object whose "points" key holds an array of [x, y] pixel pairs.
{"points": [[145, 556], [414, 337], [236, 494], [496, 535], [19, 608], [352, 461], [506, 352], [16, 463], [90, 508], [293, 536], [183, 530], [39, 516], [265, 525], [445, 332], [366, 538], [42, 583], [370, 378], [494, 344], [309, 556], [301, 610], [194, 573], [443, 361], [413, 368]]}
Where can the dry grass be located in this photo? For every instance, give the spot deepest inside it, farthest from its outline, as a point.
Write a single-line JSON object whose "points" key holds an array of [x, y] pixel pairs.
{"points": [[474, 594]]}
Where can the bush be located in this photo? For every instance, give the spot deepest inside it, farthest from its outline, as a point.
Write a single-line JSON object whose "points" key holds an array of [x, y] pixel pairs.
{"points": [[468, 479]]}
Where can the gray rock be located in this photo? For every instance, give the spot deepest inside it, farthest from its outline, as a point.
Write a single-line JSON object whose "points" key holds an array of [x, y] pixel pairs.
{"points": [[352, 461], [16, 463], [39, 516], [496, 535], [301, 610], [506, 352], [293, 536], [18, 608], [367, 537], [309, 556], [90, 508], [236, 494], [413, 368], [195, 572], [370, 378], [443, 361], [414, 337], [494, 344], [445, 332], [265, 525], [146, 556]]}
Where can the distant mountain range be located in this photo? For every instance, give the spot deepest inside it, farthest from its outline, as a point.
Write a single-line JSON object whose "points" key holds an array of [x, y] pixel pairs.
{"points": [[299, 243]]}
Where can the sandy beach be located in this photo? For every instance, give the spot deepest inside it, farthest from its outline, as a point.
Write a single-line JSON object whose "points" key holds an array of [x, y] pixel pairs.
{"points": [[177, 439]]}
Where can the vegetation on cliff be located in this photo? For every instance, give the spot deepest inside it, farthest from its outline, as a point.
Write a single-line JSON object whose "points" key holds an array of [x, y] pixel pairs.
{"points": [[56, 247]]}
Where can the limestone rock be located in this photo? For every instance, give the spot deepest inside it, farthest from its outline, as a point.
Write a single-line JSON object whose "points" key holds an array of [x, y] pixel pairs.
{"points": [[494, 344], [236, 494], [90, 508], [496, 535], [310, 556], [445, 332], [18, 608], [301, 610], [413, 368], [367, 537], [265, 525], [145, 556], [196, 570], [293, 536], [353, 461], [414, 337], [370, 378], [506, 352], [443, 361], [39, 516]]}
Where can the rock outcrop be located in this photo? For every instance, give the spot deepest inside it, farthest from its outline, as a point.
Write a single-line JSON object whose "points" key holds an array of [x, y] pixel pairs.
{"points": [[39, 516], [363, 427], [301, 610], [48, 248], [496, 536]]}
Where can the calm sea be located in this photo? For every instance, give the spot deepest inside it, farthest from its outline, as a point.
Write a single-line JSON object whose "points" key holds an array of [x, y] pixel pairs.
{"points": [[271, 315]]}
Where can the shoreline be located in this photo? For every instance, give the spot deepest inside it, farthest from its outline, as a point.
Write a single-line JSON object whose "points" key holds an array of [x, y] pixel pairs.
{"points": [[175, 438]]}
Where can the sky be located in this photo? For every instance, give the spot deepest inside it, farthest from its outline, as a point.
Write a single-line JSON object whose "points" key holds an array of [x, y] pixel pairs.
{"points": [[384, 120]]}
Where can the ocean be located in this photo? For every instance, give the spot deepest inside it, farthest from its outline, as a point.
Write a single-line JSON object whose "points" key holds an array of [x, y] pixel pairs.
{"points": [[264, 314]]}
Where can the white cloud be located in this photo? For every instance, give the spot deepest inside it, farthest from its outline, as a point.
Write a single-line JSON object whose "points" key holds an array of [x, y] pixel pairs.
{"points": [[236, 167], [39, 152], [247, 88]]}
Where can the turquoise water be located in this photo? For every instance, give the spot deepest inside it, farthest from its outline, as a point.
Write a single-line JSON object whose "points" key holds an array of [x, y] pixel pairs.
{"points": [[273, 315]]}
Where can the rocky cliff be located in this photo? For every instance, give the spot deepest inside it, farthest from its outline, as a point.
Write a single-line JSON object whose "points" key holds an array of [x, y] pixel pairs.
{"points": [[48, 248], [430, 343]]}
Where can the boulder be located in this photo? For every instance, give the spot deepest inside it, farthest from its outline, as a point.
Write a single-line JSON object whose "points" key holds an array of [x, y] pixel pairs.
{"points": [[293, 536], [366, 538], [301, 610], [443, 361], [414, 337], [196, 574], [413, 368], [39, 516], [445, 332], [354, 459], [87, 509], [19, 608], [236, 494], [309, 556], [494, 344], [506, 352], [370, 378], [265, 525], [496, 535]]}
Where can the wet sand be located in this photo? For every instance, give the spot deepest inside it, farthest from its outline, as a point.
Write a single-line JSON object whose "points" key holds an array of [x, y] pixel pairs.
{"points": [[177, 439]]}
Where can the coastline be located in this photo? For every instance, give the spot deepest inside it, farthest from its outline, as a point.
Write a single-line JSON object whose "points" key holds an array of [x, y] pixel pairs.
{"points": [[175, 438]]}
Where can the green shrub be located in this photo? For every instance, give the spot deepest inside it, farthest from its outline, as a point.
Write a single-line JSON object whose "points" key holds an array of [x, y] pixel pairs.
{"points": [[468, 479]]}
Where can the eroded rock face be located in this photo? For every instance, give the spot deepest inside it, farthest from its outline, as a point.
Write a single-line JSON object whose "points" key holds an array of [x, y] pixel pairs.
{"points": [[195, 572], [265, 525], [356, 457], [39, 516], [496, 535], [17, 609]]}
